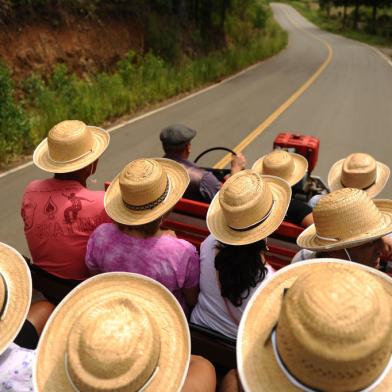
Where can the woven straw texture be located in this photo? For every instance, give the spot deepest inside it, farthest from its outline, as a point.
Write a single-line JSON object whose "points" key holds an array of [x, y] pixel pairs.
{"points": [[360, 171], [244, 200], [280, 163], [116, 329], [143, 181], [18, 281], [70, 146], [327, 337], [350, 217]]}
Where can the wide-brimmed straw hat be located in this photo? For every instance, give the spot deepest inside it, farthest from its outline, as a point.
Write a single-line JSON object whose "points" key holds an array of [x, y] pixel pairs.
{"points": [[319, 325], [248, 208], [15, 294], [114, 332], [71, 145], [360, 171], [346, 218], [280, 163], [145, 190]]}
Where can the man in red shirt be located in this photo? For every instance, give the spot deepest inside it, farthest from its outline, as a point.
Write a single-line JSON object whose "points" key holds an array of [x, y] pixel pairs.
{"points": [[60, 213]]}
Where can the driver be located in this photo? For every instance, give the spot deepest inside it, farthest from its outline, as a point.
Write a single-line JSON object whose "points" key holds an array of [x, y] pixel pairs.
{"points": [[176, 142]]}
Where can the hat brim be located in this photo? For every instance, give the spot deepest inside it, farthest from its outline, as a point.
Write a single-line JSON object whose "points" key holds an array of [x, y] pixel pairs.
{"points": [[42, 159], [300, 168], [178, 182], [19, 288], [308, 239], [216, 223], [256, 361], [49, 372], [335, 176]]}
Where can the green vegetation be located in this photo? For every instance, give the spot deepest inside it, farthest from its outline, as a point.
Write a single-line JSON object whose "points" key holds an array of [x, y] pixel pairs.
{"points": [[14, 129], [250, 34], [368, 21]]}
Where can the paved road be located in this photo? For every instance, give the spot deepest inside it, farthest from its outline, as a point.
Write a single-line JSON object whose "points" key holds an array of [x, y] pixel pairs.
{"points": [[349, 107]]}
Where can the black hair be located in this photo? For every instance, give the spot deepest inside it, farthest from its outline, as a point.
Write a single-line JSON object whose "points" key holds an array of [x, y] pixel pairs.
{"points": [[174, 149], [240, 268]]}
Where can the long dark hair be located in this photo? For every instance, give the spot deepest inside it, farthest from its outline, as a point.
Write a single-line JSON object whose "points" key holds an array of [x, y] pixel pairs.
{"points": [[240, 268]]}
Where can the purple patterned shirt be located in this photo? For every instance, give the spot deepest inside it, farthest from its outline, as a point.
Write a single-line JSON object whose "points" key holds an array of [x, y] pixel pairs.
{"points": [[167, 259]]}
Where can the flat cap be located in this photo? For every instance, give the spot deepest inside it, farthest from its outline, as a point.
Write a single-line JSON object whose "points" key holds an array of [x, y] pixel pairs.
{"points": [[176, 134]]}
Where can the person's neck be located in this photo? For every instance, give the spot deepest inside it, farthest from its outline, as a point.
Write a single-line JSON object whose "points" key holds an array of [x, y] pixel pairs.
{"points": [[175, 156], [71, 177]]}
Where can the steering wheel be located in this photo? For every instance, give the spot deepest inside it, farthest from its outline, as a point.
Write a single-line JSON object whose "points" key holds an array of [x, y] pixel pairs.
{"points": [[220, 174], [214, 149]]}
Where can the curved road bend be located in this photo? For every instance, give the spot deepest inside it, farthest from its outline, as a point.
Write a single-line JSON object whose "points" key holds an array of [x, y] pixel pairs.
{"points": [[348, 107]]}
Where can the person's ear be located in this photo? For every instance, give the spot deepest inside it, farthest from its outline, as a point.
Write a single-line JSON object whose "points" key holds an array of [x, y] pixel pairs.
{"points": [[188, 148]]}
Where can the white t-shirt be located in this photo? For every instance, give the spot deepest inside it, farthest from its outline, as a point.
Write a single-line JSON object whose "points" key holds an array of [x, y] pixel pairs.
{"points": [[211, 310], [304, 254], [16, 369]]}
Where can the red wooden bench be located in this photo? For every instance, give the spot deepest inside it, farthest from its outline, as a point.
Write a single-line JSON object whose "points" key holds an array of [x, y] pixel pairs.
{"points": [[188, 220]]}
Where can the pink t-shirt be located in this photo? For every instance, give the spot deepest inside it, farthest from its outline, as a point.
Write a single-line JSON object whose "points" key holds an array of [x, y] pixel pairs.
{"points": [[167, 259], [59, 216]]}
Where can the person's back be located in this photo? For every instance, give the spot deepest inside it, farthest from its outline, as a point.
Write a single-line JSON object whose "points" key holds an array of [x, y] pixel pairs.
{"points": [[59, 216], [203, 185], [162, 257], [246, 210], [60, 213], [212, 309], [137, 199]]}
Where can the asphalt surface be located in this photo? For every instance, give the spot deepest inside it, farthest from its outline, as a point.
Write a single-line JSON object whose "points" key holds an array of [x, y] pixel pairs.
{"points": [[348, 107]]}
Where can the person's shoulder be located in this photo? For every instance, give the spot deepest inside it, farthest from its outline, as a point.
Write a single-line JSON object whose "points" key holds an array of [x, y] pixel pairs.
{"points": [[105, 229], [92, 193], [178, 243], [37, 185], [209, 242], [303, 254]]}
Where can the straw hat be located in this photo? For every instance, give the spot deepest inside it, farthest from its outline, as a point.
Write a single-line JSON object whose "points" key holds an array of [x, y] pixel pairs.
{"points": [[325, 324], [360, 171], [114, 332], [280, 163], [346, 218], [145, 190], [248, 208], [15, 294], [71, 145]]}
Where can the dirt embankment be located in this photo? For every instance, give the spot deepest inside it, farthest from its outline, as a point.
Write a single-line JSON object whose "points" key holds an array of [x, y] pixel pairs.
{"points": [[84, 45]]}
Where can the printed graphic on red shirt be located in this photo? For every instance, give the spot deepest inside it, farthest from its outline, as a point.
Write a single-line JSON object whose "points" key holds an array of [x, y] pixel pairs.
{"points": [[71, 213], [50, 208], [28, 211]]}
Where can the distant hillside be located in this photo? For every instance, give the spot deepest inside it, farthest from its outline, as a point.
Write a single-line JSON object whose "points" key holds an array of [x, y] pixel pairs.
{"points": [[92, 35], [97, 60]]}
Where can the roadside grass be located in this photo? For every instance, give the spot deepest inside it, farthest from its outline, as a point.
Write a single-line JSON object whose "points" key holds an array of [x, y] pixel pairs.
{"points": [[310, 10], [138, 81]]}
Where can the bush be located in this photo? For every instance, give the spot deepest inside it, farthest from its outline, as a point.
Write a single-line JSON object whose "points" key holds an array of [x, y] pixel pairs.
{"points": [[138, 81], [14, 126]]}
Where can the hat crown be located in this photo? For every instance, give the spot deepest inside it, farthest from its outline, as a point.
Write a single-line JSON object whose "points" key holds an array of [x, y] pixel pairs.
{"points": [[346, 213], [114, 346], [335, 328], [177, 135], [142, 181], [359, 170], [245, 199], [69, 140], [279, 163]]}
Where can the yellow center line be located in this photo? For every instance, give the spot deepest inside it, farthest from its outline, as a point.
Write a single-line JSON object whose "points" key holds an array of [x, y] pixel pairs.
{"points": [[281, 109]]}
